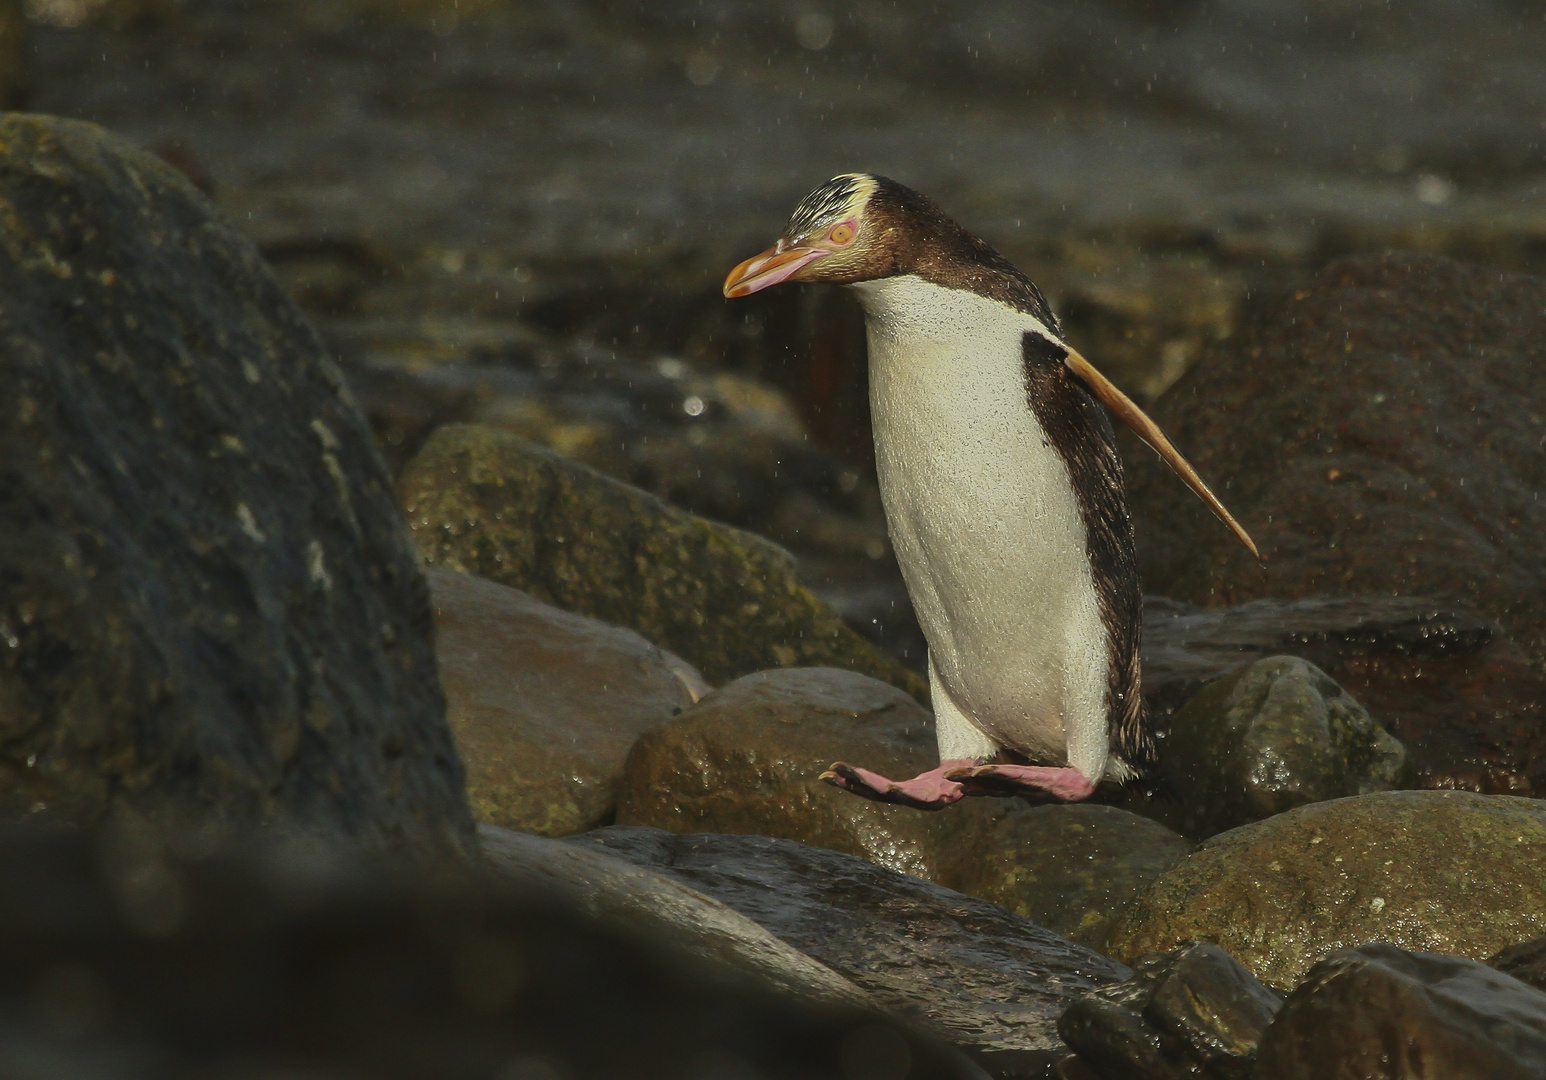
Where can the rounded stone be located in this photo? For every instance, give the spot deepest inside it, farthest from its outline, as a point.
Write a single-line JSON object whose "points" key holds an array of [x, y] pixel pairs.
{"points": [[1433, 871]]}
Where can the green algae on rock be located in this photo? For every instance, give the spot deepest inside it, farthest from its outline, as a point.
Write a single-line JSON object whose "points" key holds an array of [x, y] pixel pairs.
{"points": [[1070, 868], [1435, 871], [213, 612], [1272, 736], [748, 757], [485, 502]]}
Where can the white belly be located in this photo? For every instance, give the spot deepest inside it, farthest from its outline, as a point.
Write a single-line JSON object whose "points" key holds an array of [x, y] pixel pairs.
{"points": [[984, 521]]}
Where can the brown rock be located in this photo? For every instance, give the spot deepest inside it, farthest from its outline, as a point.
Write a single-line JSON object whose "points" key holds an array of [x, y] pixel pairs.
{"points": [[1451, 872], [746, 759], [1382, 1013], [545, 705], [482, 501], [1378, 432]]}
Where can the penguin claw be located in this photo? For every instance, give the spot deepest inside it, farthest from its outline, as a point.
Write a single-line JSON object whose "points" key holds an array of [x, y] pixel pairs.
{"points": [[933, 790]]}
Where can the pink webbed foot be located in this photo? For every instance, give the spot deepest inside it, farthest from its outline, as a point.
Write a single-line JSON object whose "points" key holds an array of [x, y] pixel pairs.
{"points": [[1069, 785], [933, 790]]}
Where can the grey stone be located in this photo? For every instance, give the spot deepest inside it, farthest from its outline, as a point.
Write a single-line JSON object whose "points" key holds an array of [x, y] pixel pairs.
{"points": [[1451, 872], [641, 900], [212, 611], [544, 704], [1272, 736], [1194, 1012], [1463, 698], [991, 981], [1381, 1013], [485, 502]]}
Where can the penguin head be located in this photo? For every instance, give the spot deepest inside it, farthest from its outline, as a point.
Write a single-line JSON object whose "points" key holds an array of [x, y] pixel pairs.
{"points": [[855, 227]]}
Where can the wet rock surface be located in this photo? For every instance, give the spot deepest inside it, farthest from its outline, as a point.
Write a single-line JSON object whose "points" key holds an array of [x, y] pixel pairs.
{"points": [[1525, 962], [545, 705], [635, 898], [306, 960], [994, 982], [748, 757], [1451, 872], [1275, 735], [213, 612], [486, 502], [1070, 868], [1380, 1011], [1193, 1012], [1462, 697], [1402, 457]]}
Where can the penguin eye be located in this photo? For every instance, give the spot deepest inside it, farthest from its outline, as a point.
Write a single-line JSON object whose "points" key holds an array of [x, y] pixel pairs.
{"points": [[841, 234]]}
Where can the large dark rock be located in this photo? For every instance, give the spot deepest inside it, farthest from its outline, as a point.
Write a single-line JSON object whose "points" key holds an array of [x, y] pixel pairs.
{"points": [[1272, 736], [1451, 872], [991, 981], [1378, 432], [123, 960], [211, 609], [1382, 1013], [546, 704], [485, 502], [1462, 698], [1194, 1012], [1525, 961]]}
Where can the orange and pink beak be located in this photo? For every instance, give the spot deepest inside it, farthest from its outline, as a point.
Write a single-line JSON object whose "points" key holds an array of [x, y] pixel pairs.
{"points": [[774, 265]]}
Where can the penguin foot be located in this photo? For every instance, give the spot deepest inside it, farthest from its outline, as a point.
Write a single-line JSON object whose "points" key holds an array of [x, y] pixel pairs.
{"points": [[1066, 784], [933, 790]]}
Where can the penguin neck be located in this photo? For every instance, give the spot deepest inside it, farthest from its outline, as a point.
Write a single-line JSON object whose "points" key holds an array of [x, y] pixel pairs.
{"points": [[908, 308]]}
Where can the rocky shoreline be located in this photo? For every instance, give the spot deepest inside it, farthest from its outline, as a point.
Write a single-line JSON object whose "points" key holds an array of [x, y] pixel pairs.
{"points": [[441, 691]]}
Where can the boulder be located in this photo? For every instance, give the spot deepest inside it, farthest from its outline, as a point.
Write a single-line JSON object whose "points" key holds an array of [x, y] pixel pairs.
{"points": [[992, 982], [1451, 872], [544, 704], [638, 900], [1379, 432], [1275, 735], [1070, 868], [1464, 700], [485, 502], [1525, 961], [127, 959], [748, 757], [1384, 1013], [1193, 1012], [212, 611]]}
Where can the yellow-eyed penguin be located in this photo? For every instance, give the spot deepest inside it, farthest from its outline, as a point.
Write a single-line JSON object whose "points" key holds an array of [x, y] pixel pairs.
{"points": [[1003, 496]]}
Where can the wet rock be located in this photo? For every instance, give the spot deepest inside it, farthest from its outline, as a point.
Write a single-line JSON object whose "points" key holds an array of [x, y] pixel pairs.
{"points": [[214, 614], [1450, 872], [636, 899], [121, 960], [1379, 1011], [545, 705], [747, 758], [1379, 432], [992, 981], [1072, 869], [1193, 1012], [1461, 697], [1525, 962], [485, 502], [1272, 736]]}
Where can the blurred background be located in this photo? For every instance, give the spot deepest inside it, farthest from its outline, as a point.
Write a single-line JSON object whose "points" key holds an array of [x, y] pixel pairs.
{"points": [[520, 211]]}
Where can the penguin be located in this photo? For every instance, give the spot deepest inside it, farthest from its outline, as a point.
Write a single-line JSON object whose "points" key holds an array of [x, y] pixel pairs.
{"points": [[1003, 496]]}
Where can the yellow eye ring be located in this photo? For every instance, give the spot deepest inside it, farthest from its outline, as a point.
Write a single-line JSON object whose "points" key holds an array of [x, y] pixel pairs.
{"points": [[841, 234]]}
